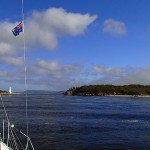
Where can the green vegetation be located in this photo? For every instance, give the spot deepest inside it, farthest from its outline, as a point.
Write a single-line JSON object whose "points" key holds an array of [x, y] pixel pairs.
{"points": [[102, 90]]}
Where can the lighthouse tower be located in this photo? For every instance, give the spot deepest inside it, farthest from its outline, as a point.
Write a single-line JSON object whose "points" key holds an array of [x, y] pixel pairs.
{"points": [[10, 92]]}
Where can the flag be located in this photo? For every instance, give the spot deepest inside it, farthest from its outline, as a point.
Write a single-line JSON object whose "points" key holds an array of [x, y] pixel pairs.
{"points": [[18, 29]]}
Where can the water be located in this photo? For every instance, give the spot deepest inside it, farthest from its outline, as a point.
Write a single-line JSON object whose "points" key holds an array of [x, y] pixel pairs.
{"points": [[58, 122]]}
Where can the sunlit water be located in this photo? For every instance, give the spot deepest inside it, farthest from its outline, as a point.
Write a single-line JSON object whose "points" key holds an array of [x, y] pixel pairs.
{"points": [[58, 122]]}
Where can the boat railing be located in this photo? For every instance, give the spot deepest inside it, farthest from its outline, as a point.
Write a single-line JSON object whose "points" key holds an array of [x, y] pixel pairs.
{"points": [[13, 138]]}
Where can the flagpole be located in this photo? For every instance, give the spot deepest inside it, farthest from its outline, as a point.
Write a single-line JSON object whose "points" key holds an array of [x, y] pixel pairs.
{"points": [[25, 72]]}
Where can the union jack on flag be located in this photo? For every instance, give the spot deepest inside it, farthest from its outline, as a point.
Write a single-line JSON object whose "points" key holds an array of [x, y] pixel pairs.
{"points": [[18, 29]]}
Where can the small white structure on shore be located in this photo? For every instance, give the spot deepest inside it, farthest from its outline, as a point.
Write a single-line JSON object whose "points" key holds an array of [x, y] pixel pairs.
{"points": [[10, 92]]}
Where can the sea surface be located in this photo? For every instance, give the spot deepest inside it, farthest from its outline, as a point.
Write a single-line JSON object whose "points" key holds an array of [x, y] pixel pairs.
{"points": [[59, 122]]}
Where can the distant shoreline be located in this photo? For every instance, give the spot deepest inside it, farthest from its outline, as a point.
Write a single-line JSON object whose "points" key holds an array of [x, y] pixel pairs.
{"points": [[134, 96], [3, 93], [7, 93]]}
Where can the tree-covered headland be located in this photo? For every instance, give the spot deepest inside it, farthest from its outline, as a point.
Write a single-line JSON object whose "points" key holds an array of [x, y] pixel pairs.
{"points": [[104, 90]]}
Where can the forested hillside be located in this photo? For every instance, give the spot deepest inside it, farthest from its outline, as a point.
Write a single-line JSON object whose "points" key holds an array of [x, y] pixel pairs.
{"points": [[102, 90]]}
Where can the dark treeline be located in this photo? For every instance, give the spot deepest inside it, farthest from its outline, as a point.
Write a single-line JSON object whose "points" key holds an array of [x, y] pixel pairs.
{"points": [[1, 92], [102, 90]]}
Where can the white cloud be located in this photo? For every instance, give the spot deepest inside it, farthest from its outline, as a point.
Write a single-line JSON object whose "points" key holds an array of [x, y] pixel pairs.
{"points": [[70, 75], [60, 21], [104, 70], [12, 61], [6, 48], [44, 27], [52, 75], [114, 27], [98, 75], [119, 76], [54, 68], [6, 35], [50, 68], [2, 73], [73, 69], [41, 29], [132, 75]]}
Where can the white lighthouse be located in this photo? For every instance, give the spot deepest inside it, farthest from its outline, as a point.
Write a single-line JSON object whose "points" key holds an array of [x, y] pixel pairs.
{"points": [[10, 92]]}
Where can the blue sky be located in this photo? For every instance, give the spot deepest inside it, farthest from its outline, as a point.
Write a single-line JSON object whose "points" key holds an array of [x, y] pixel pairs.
{"points": [[73, 43]]}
